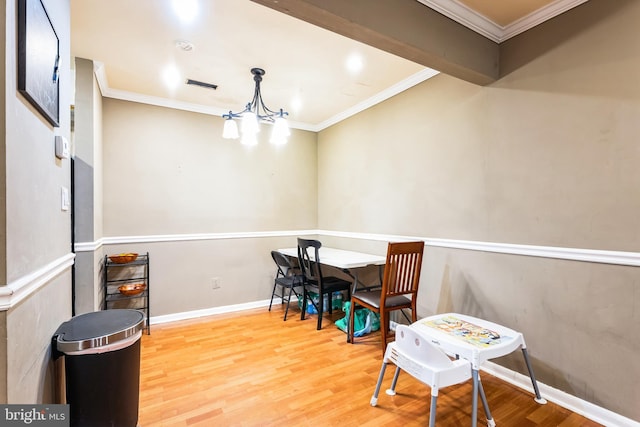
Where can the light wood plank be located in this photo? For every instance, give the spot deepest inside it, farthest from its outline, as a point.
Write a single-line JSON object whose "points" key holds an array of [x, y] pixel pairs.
{"points": [[253, 369]]}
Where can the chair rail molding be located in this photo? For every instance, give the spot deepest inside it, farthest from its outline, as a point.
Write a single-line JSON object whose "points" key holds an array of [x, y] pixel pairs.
{"points": [[571, 254], [21, 288]]}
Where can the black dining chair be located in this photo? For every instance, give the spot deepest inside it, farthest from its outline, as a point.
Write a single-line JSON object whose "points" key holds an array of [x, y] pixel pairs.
{"points": [[288, 278], [315, 281]]}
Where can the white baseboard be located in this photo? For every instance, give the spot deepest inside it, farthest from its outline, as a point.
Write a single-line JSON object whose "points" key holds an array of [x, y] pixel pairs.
{"points": [[174, 317], [566, 400]]}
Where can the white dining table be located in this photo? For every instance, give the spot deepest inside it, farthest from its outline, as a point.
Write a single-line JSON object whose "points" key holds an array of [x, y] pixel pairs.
{"points": [[476, 340], [340, 258], [347, 261]]}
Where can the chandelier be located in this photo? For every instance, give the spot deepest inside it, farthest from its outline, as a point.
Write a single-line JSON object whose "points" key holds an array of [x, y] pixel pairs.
{"points": [[254, 113]]}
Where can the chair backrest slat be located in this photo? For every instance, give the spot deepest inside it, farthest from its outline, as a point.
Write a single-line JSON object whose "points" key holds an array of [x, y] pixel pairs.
{"points": [[421, 349], [310, 267], [402, 269]]}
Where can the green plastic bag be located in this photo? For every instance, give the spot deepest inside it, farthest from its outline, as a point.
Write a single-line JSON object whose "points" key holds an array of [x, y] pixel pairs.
{"points": [[364, 320]]}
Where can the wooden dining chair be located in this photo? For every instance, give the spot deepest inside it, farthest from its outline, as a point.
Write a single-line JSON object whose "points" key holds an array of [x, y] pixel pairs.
{"points": [[315, 281], [399, 287]]}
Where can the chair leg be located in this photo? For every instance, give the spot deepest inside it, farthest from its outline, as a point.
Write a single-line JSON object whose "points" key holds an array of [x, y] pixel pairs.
{"points": [[432, 410], [351, 322], [384, 328], [483, 397], [288, 302], [304, 303], [272, 294], [320, 310], [374, 398], [391, 391]]}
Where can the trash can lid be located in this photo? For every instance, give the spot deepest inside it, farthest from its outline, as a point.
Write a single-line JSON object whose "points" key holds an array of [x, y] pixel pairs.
{"points": [[97, 329]]}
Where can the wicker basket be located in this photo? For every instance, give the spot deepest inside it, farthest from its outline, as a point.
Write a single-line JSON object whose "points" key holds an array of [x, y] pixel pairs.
{"points": [[123, 258], [132, 289]]}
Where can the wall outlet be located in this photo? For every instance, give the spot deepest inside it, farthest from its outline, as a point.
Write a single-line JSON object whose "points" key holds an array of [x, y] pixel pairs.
{"points": [[215, 283]]}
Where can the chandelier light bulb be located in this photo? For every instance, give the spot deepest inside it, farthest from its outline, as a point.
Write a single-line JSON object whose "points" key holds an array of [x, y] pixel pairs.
{"points": [[230, 130], [250, 123], [280, 131]]}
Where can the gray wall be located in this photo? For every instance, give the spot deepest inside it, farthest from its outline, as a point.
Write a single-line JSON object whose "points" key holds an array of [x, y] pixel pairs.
{"points": [[38, 233], [87, 155], [547, 155]]}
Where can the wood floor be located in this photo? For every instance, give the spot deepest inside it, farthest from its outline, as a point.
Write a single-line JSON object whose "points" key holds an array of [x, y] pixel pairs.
{"points": [[253, 369]]}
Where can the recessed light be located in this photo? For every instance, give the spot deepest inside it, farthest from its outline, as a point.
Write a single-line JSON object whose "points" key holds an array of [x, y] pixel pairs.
{"points": [[186, 10], [296, 104], [171, 76], [354, 63]]}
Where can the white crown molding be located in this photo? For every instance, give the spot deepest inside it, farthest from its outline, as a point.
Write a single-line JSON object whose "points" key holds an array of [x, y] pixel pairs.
{"points": [[107, 92], [469, 18], [21, 288], [538, 17], [571, 254], [409, 82]]}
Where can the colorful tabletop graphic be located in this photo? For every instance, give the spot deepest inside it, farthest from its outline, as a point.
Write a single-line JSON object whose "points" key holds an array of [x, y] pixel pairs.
{"points": [[461, 329]]}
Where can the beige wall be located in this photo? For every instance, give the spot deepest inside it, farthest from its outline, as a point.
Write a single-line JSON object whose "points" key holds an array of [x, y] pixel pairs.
{"points": [[499, 164], [547, 155], [181, 272], [30, 326], [37, 230], [544, 156], [169, 172], [3, 209]]}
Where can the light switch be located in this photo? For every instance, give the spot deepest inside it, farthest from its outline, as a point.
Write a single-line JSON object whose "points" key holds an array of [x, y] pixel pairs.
{"points": [[62, 147], [64, 199]]}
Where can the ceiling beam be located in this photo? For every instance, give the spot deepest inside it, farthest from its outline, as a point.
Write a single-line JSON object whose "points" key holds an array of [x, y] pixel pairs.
{"points": [[406, 28]]}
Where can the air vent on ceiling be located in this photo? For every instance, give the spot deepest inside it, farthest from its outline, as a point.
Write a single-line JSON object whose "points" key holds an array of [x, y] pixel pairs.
{"points": [[202, 84]]}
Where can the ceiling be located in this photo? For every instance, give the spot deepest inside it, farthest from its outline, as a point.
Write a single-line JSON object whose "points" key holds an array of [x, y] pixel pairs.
{"points": [[137, 44]]}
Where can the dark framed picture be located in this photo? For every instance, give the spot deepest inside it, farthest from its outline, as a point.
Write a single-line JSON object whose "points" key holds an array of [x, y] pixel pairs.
{"points": [[38, 59]]}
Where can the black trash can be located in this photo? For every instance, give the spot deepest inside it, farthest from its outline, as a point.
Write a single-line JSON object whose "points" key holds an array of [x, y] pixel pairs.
{"points": [[102, 367]]}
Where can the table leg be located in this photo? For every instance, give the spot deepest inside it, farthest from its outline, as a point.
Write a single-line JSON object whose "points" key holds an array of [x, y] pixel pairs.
{"points": [[474, 399], [487, 411], [354, 276], [353, 290], [539, 399]]}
